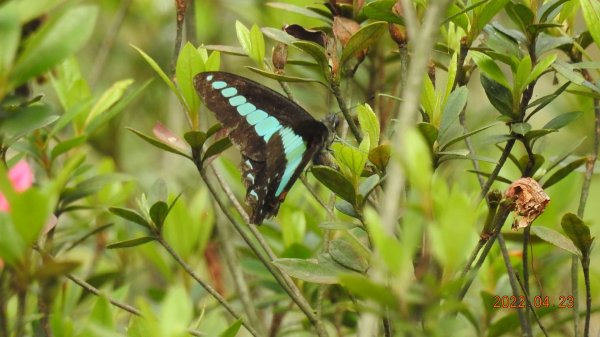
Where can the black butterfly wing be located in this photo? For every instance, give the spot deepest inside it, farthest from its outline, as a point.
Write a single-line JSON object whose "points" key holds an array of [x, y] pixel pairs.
{"points": [[276, 137]]}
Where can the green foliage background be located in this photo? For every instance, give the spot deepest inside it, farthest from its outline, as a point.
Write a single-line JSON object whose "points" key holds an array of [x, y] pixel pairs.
{"points": [[138, 226]]}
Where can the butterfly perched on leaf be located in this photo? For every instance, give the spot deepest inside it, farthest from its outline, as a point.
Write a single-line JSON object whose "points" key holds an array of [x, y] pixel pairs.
{"points": [[276, 137]]}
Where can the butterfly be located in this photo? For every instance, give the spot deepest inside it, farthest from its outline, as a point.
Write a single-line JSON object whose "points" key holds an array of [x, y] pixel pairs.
{"points": [[276, 137]]}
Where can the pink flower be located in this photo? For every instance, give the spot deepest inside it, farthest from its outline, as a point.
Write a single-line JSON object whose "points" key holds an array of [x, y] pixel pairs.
{"points": [[21, 177]]}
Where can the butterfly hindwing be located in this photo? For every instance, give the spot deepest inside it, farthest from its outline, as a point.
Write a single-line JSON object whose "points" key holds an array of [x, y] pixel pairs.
{"points": [[277, 138]]}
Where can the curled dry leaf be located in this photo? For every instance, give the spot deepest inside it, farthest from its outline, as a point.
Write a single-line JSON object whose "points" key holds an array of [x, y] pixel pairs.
{"points": [[530, 201], [317, 36]]}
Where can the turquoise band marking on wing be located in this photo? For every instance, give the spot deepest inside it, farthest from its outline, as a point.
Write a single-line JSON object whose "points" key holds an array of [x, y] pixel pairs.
{"points": [[218, 85], [237, 100], [290, 168], [256, 116], [246, 108], [267, 127], [228, 92]]}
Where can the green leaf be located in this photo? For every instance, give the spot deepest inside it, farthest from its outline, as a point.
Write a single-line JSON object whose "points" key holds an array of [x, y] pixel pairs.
{"points": [[563, 120], [369, 124], [213, 63], [489, 11], [316, 51], [569, 72], [279, 35], [54, 268], [159, 144], [489, 67], [27, 10], [159, 212], [335, 181], [131, 243], [103, 118], [213, 129], [243, 36], [368, 185], [382, 10], [522, 75], [456, 102], [12, 246], [380, 155], [316, 271], [535, 134], [540, 67], [591, 14], [464, 136], [520, 14], [520, 128], [162, 75], [298, 10], [578, 232], [196, 139], [563, 172], [102, 315], [230, 50], [551, 236], [60, 37], [25, 121], [130, 215], [189, 64], [542, 102], [29, 220], [351, 160], [500, 97], [217, 147], [71, 113], [67, 145], [257, 43], [416, 160], [363, 39], [232, 330], [285, 78], [429, 132], [346, 255], [364, 287], [9, 40], [346, 208], [108, 99], [550, 9], [337, 225], [545, 42]]}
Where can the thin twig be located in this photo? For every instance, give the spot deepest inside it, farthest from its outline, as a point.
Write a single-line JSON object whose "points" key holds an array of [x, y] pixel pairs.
{"points": [[180, 7], [514, 285], [312, 191], [279, 277], [535, 315], [503, 212], [505, 153], [422, 44], [229, 193], [215, 294], [90, 288], [93, 290], [335, 89], [109, 39], [231, 259]]}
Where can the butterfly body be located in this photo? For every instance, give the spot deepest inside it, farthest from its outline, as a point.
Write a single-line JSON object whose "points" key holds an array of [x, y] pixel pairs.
{"points": [[276, 137]]}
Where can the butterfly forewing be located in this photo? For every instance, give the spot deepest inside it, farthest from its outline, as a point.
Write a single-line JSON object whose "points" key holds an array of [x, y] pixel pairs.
{"points": [[276, 137]]}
